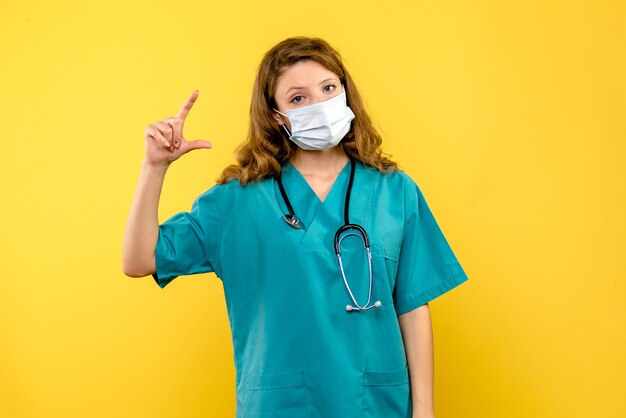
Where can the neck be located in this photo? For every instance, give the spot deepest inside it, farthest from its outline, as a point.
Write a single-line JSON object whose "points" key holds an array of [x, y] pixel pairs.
{"points": [[319, 161]]}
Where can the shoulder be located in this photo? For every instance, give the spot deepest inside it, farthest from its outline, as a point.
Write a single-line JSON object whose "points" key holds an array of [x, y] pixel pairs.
{"points": [[228, 193], [397, 180], [397, 188]]}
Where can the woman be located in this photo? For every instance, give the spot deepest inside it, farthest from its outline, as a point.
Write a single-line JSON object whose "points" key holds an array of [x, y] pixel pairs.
{"points": [[322, 325]]}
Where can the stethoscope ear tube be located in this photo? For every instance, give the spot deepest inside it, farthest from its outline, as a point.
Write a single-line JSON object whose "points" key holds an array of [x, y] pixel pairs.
{"points": [[363, 236], [347, 227]]}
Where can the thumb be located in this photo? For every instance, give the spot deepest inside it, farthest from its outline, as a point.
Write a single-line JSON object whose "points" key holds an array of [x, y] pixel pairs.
{"points": [[199, 143]]}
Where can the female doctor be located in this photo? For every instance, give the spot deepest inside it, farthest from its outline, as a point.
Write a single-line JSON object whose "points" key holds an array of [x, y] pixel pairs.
{"points": [[328, 253]]}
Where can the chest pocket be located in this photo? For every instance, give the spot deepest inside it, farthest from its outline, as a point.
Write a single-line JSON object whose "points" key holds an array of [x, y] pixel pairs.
{"points": [[276, 395], [387, 394], [385, 259], [391, 255]]}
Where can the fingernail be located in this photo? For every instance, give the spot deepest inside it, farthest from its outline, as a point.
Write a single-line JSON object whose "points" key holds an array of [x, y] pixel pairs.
{"points": [[176, 142]]}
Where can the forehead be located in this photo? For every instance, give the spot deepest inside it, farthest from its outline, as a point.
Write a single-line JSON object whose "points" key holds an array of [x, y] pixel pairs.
{"points": [[303, 74]]}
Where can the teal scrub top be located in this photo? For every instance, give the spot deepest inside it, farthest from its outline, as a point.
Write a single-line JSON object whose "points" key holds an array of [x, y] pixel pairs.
{"points": [[298, 353]]}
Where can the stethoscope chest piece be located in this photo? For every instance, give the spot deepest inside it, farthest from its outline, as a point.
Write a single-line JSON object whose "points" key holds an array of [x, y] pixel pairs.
{"points": [[293, 221]]}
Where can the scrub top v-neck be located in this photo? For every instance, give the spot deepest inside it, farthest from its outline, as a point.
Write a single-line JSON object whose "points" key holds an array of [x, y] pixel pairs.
{"points": [[298, 353], [307, 204]]}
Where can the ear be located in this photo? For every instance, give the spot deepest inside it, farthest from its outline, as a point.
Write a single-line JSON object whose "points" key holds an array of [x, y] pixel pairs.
{"points": [[277, 117]]}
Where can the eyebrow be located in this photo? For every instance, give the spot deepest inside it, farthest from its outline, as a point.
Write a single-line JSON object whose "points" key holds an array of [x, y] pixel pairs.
{"points": [[321, 82]]}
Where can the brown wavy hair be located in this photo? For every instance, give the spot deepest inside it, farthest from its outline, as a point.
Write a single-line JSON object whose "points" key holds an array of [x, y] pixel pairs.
{"points": [[267, 148]]}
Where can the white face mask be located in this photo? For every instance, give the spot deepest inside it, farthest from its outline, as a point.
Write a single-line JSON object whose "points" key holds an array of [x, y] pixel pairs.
{"points": [[320, 125]]}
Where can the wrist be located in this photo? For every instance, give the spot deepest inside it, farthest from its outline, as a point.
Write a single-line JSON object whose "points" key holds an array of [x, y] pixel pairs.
{"points": [[159, 168], [423, 411]]}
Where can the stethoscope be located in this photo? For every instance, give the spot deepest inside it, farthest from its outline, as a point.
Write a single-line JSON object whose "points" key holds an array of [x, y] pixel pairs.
{"points": [[294, 222]]}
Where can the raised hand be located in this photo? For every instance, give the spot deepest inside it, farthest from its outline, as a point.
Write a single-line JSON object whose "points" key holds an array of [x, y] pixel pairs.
{"points": [[164, 139]]}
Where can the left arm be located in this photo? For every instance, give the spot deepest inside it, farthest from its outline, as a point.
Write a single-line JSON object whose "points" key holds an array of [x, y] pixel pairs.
{"points": [[416, 328]]}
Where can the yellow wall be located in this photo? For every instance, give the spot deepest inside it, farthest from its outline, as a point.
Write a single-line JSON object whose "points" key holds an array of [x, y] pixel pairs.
{"points": [[509, 115]]}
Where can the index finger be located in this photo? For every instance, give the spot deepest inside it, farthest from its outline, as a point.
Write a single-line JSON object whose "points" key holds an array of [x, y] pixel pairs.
{"points": [[184, 110]]}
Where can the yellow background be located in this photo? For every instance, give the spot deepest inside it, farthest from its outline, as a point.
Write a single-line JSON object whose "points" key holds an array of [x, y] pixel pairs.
{"points": [[509, 115]]}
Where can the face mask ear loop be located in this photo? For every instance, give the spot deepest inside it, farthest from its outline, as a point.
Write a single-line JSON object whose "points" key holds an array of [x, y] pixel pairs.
{"points": [[283, 125], [286, 130]]}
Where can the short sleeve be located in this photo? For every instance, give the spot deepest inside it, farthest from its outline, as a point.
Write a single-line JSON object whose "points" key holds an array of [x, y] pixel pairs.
{"points": [[427, 266], [188, 242]]}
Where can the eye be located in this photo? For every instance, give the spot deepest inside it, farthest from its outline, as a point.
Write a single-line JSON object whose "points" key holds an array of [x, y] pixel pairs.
{"points": [[295, 101], [330, 85]]}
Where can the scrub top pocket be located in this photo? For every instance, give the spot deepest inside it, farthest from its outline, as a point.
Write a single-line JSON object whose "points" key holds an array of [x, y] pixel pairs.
{"points": [[385, 259], [389, 256], [387, 394], [276, 395]]}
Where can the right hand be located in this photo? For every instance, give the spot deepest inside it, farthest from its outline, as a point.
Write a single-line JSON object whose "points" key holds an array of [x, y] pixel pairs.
{"points": [[164, 139]]}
